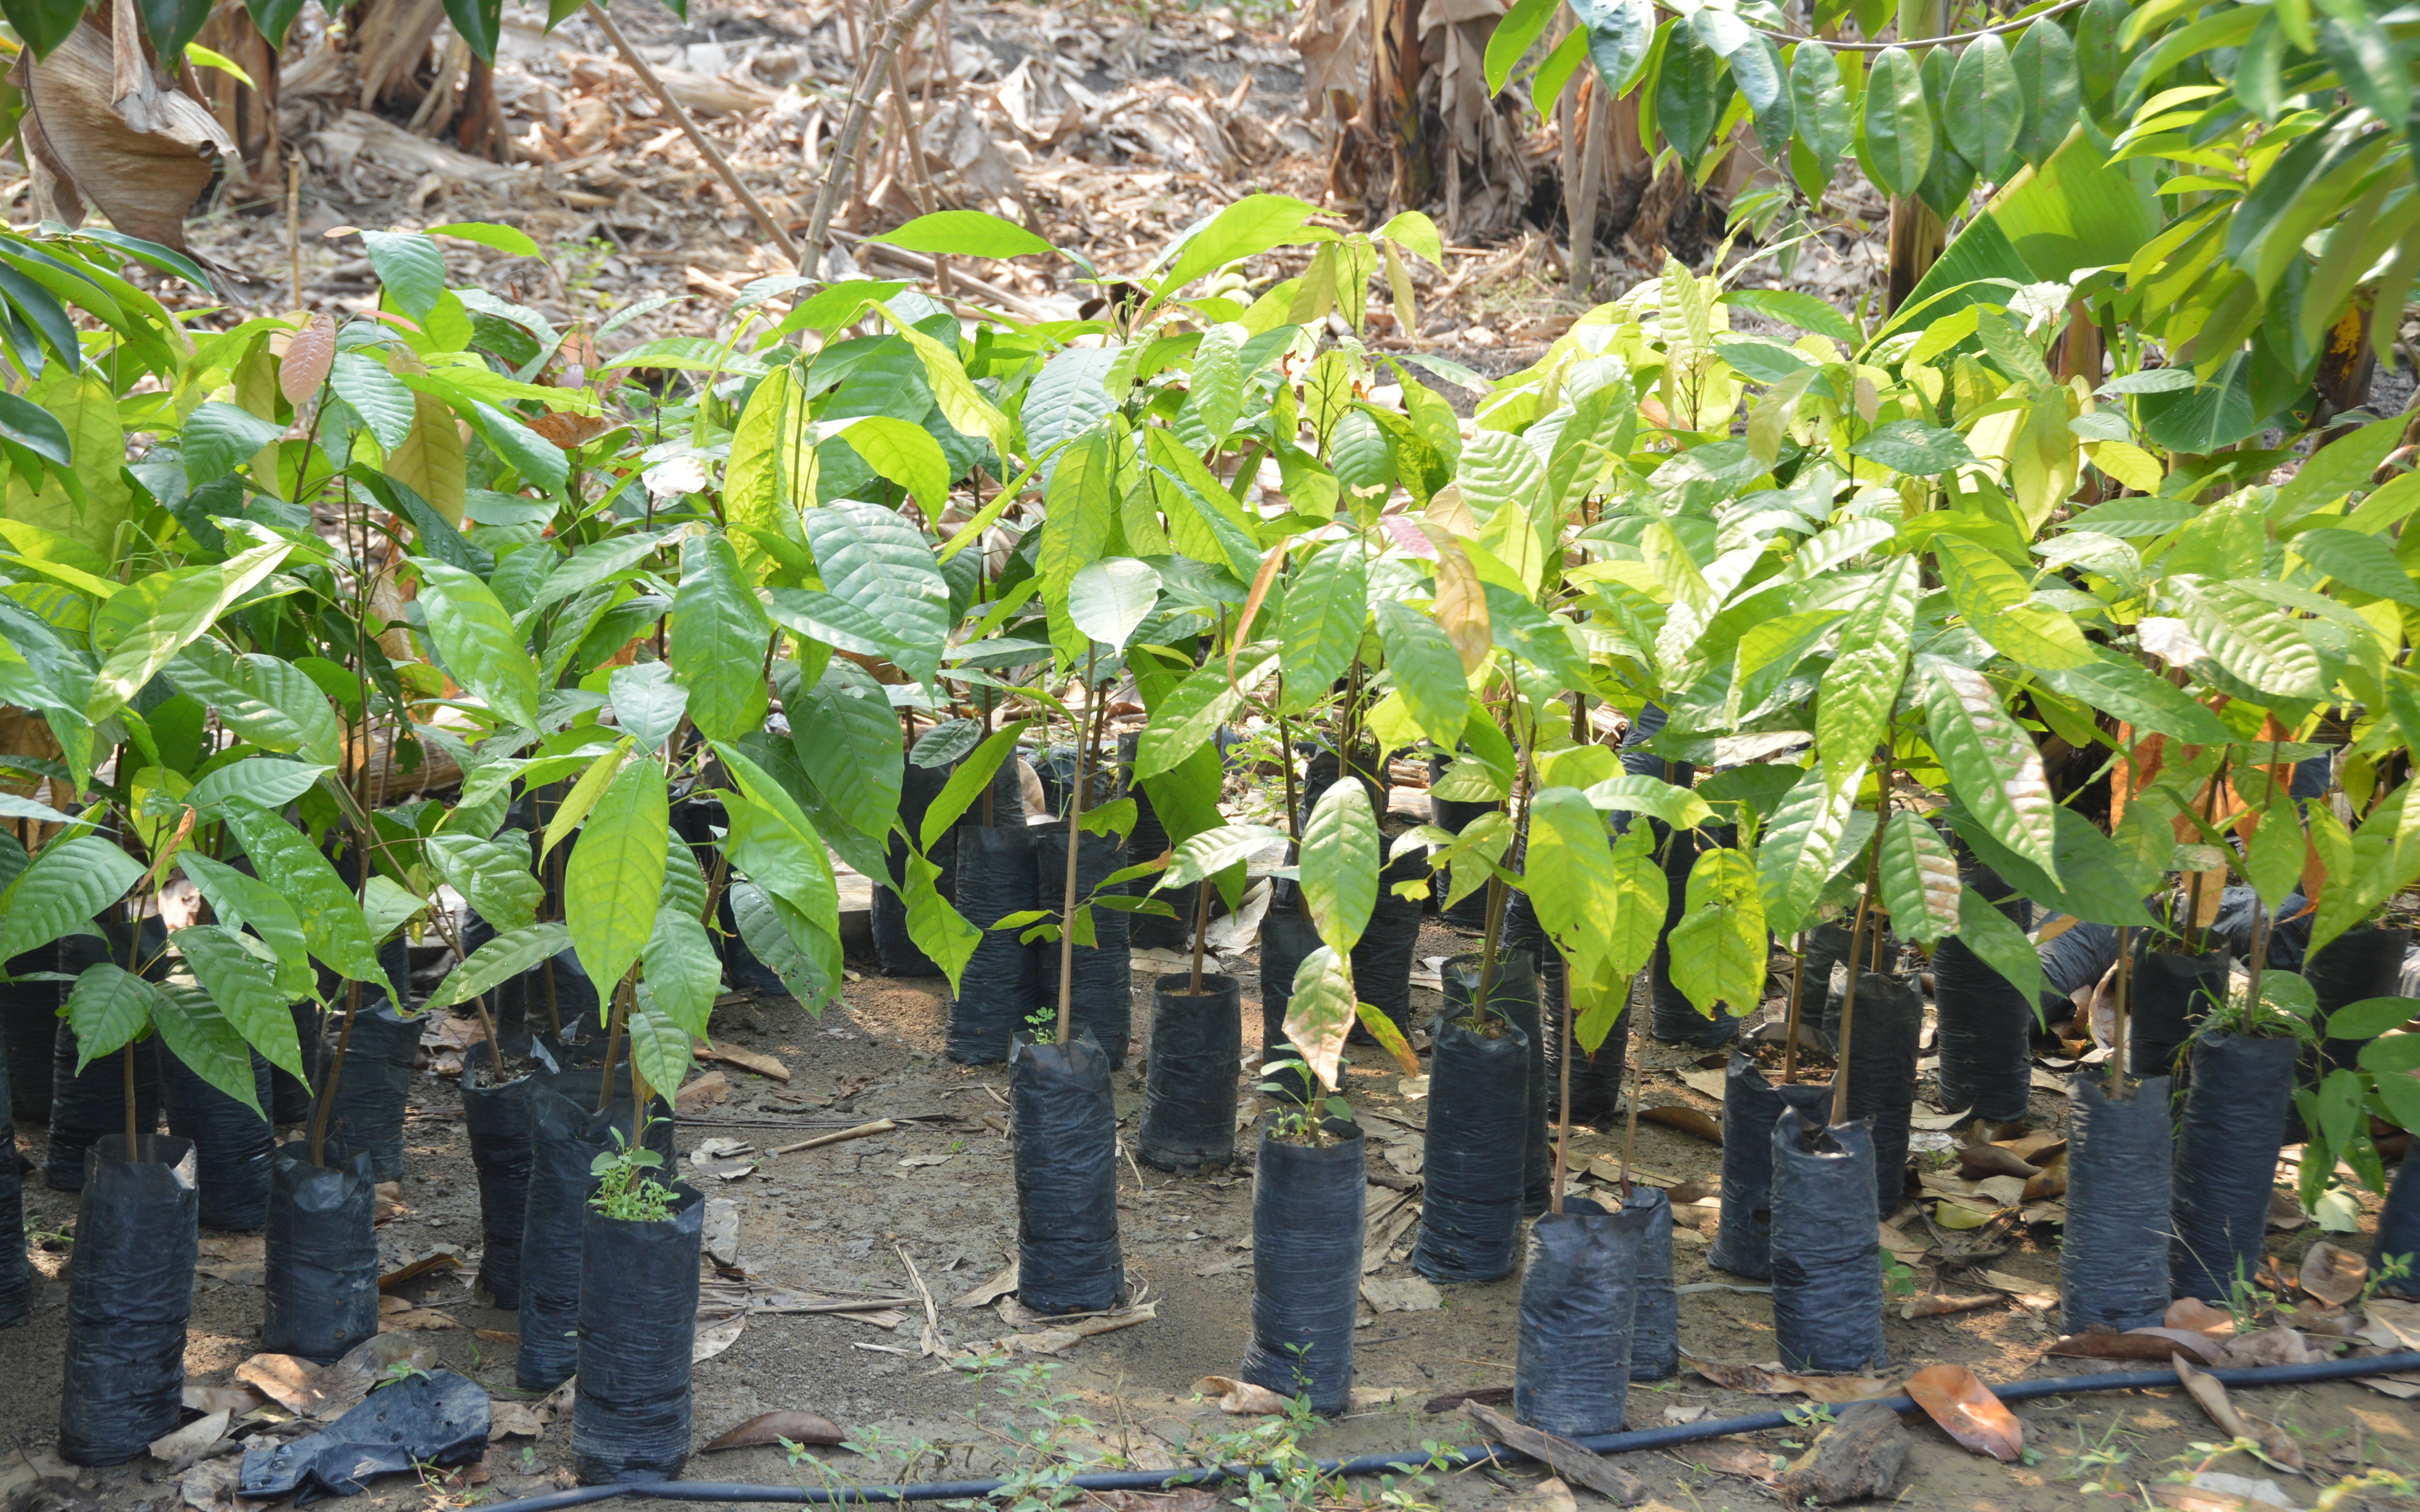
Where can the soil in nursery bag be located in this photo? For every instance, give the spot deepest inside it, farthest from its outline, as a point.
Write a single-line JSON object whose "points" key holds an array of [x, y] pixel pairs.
{"points": [[496, 1118], [1514, 996], [128, 1294], [1102, 1004], [1655, 1327], [2167, 996], [231, 1141], [1451, 817], [1002, 980], [1197, 1042], [1986, 1035], [1827, 1272], [1309, 1202], [29, 1023], [638, 1324], [1286, 938], [2399, 1231], [1579, 1303], [1674, 1019], [87, 1108], [2236, 1096], [365, 1094], [1382, 958], [321, 1281], [1475, 1152], [567, 1135], [16, 1273], [1065, 1127], [433, 1419], [1752, 1102], [2113, 1261], [1883, 1041]]}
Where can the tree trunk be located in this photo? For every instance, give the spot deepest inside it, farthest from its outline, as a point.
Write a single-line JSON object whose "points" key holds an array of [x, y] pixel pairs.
{"points": [[1916, 235], [1395, 106]]}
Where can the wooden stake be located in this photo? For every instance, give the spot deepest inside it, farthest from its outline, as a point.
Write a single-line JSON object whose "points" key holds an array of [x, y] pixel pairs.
{"points": [[1790, 1040], [1074, 838], [294, 222], [1857, 932], [852, 130]]}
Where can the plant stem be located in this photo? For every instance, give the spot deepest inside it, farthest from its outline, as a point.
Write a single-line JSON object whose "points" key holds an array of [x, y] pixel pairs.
{"points": [[1857, 933], [328, 1083], [638, 1095], [125, 1059], [1074, 835], [1292, 817], [1498, 894], [614, 1042], [2196, 939], [1637, 1088], [2118, 1058], [1563, 1123], [852, 130], [1797, 986], [1201, 929]]}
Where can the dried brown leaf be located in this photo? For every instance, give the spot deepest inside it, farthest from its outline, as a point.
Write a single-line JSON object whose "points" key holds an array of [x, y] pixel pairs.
{"points": [[1688, 1120], [794, 1424], [2196, 1315], [1939, 1306], [2049, 1183], [2137, 1344], [1975, 1161], [1764, 1382], [2333, 1274], [2270, 1345], [1952, 1397], [1239, 1399]]}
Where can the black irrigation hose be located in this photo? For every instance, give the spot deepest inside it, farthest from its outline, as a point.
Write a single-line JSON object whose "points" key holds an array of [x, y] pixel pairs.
{"points": [[1409, 1460]]}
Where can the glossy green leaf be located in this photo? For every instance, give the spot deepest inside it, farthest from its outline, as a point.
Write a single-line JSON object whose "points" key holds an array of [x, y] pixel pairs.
{"points": [[1620, 34], [376, 394], [70, 883], [1213, 851], [2121, 686], [1108, 599], [1427, 670], [1820, 107], [2048, 86], [247, 901], [1913, 447], [1894, 125], [1633, 792], [1989, 120], [846, 740], [262, 779], [1339, 864], [903, 453], [410, 269], [966, 234], [1919, 882], [682, 971], [2371, 1017], [1993, 763], [968, 781], [718, 640], [193, 1029], [106, 1009], [508, 955], [482, 648], [1320, 1013], [219, 437], [174, 618], [1192, 714], [1853, 705], [937, 928], [648, 702], [2366, 563], [1327, 606], [1999, 944], [493, 875], [805, 957], [616, 872], [1690, 88], [879, 564], [1796, 856], [660, 1045], [2273, 862], [1718, 948], [246, 994], [2253, 639]]}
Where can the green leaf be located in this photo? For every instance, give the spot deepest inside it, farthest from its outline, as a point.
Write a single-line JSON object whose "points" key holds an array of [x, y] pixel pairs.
{"points": [[681, 969], [1108, 599], [106, 1009], [244, 900], [1068, 399], [1569, 872], [1805, 311], [647, 702], [43, 24], [876, 563], [2273, 862], [1514, 36], [262, 779], [1251, 225], [1756, 68], [1326, 605], [594, 565], [67, 885], [805, 957], [1989, 118], [583, 795], [1921, 888], [409, 269], [178, 615], [1818, 103], [1634, 792], [1320, 1012], [1339, 864], [219, 437], [1795, 857], [1999, 944], [245, 992], [1993, 764], [492, 875], [939, 929], [1645, 903], [967, 782], [904, 454], [966, 234], [1427, 670], [1718, 948], [1192, 713], [2047, 86], [1913, 447], [846, 740], [2252, 639], [505, 238], [617, 873], [717, 641], [2366, 563], [661, 1046], [510, 954], [192, 1028], [774, 844], [1860, 688], [376, 394], [2116, 685], [1894, 126], [1689, 92], [2371, 1017], [476, 637], [1213, 851]]}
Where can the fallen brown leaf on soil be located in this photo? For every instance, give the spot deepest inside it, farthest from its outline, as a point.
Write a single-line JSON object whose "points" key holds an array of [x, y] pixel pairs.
{"points": [[2198, 1317], [236, 1400], [1734, 1459], [1940, 1305], [1239, 1399], [1491, 1395], [2285, 1213], [194, 1440], [1404, 1294], [444, 1258], [1688, 1120], [1967, 1411], [331, 1391], [1548, 1495], [514, 1420], [762, 1064], [1060, 1340], [2136, 1344], [2050, 1182], [704, 1092], [1764, 1382], [415, 1319], [2276, 1445], [1975, 1161], [2270, 1345], [716, 1338], [2391, 1324], [2333, 1274], [794, 1424]]}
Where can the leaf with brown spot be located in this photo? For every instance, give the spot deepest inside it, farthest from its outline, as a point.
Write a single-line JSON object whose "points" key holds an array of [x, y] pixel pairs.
{"points": [[2276, 1445], [2049, 1183], [793, 1424], [1952, 1397], [1462, 604], [2333, 1275]]}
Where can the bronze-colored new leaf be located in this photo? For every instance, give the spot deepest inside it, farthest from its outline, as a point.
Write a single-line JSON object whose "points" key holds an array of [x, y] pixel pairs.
{"points": [[1967, 1412]]}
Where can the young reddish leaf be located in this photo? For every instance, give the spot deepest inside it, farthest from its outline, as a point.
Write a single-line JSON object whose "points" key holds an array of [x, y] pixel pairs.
{"points": [[1967, 1411], [308, 354]]}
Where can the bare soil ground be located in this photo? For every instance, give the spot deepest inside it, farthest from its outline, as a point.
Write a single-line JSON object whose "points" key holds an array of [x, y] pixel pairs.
{"points": [[842, 1219]]}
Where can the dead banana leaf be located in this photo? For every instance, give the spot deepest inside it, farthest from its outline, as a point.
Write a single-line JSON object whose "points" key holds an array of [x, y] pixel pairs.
{"points": [[105, 133], [2276, 1445], [1952, 1397], [793, 1425]]}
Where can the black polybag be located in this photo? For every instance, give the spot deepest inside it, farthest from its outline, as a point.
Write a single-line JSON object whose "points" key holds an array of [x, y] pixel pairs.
{"points": [[900, 955], [2359, 963], [365, 1094], [1197, 1049], [2237, 1090], [128, 1294], [1309, 1204], [638, 1326], [1655, 1327], [1883, 1048], [567, 1135], [2242, 920], [1382, 957], [1286, 938], [1827, 1272], [2399, 1231], [29, 1014], [1172, 930], [322, 1272], [87, 1109], [1595, 1079], [1751, 1103], [16, 1274], [1474, 1153], [1514, 996], [1102, 974], [436, 1419], [231, 1141], [1065, 1126], [289, 1101], [1986, 1024], [2075, 959], [1673, 1018], [496, 1118], [1001, 984], [2113, 1261], [2167, 996], [1579, 1301], [1452, 816]]}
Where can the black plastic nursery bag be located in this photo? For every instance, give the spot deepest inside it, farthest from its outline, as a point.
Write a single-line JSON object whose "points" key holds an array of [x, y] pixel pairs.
{"points": [[1102, 1000], [497, 1119], [231, 1141], [2112, 1260], [129, 1295], [1513, 996], [2226, 1159], [321, 1280], [1579, 1303], [1827, 1275], [637, 1327], [1001, 984], [1475, 1153], [1065, 1125], [1751, 1103], [437, 1419], [1309, 1204], [1197, 1051]]}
